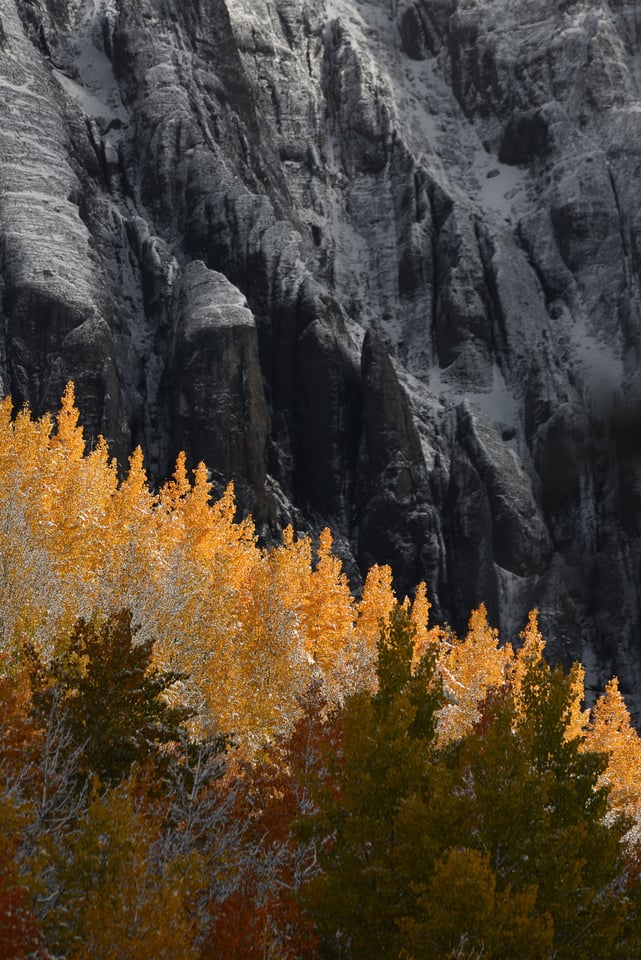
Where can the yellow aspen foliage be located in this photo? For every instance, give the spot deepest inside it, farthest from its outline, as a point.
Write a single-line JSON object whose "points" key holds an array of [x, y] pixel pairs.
{"points": [[577, 717], [67, 498], [174, 490], [117, 898], [610, 731], [530, 654], [28, 581], [376, 603], [268, 667], [469, 669], [426, 637], [205, 557], [329, 611], [205, 532], [251, 627], [531, 650], [70, 499], [292, 570], [213, 538], [69, 435], [373, 612], [133, 560]]}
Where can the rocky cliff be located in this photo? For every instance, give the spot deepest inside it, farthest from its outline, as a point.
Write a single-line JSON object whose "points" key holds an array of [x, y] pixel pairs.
{"points": [[378, 261]]}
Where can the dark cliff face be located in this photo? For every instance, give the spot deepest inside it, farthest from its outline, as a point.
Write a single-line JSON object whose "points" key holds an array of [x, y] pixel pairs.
{"points": [[379, 264]]}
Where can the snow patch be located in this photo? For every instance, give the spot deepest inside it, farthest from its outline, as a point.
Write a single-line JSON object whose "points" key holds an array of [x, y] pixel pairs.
{"points": [[515, 594], [599, 364], [498, 403], [94, 88], [91, 104], [594, 673], [501, 189]]}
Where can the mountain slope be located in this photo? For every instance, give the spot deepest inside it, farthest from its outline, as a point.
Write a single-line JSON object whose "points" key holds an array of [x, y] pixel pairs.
{"points": [[378, 262]]}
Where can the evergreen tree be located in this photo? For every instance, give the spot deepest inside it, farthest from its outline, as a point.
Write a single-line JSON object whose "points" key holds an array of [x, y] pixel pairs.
{"points": [[495, 845], [378, 783], [525, 794], [112, 698]]}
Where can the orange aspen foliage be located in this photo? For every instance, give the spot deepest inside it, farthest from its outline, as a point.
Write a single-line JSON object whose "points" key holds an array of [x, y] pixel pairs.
{"points": [[577, 717], [251, 627], [268, 666], [530, 653], [469, 669], [376, 602], [68, 436], [133, 562], [342, 653], [292, 570], [175, 489], [117, 897], [205, 531], [206, 559], [373, 611], [329, 610], [24, 561], [610, 731], [426, 637], [73, 494]]}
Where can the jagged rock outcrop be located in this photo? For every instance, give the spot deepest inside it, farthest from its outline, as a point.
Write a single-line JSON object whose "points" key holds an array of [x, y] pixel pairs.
{"points": [[379, 263], [216, 398], [397, 523]]}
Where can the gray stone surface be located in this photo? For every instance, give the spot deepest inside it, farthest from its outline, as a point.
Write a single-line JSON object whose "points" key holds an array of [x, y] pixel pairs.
{"points": [[379, 262]]}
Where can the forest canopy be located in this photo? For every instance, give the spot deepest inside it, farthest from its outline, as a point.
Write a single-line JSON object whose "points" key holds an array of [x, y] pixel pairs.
{"points": [[213, 749]]}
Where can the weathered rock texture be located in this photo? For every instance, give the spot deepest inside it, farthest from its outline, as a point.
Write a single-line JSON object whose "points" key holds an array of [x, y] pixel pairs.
{"points": [[378, 262]]}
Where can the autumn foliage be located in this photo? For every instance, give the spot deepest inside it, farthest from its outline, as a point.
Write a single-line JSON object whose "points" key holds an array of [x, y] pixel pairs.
{"points": [[248, 628], [212, 749]]}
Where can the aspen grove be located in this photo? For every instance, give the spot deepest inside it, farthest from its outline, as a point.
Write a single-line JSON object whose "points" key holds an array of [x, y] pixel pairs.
{"points": [[212, 749]]}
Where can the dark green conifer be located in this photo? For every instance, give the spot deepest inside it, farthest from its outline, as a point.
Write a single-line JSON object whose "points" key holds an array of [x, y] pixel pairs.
{"points": [[111, 696], [498, 845]]}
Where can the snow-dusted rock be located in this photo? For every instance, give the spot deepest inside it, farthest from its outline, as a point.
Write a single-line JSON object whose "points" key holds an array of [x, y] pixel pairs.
{"points": [[379, 257], [217, 402]]}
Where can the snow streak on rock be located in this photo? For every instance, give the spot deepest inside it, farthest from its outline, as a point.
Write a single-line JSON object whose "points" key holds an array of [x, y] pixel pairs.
{"points": [[377, 260]]}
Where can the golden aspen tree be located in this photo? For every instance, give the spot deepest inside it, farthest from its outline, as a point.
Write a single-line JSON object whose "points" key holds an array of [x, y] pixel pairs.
{"points": [[530, 652], [529, 655], [227, 614], [577, 716], [419, 616], [292, 570], [376, 603], [59, 503], [329, 611], [251, 627], [67, 499], [270, 665], [611, 732], [29, 591], [116, 897], [469, 669], [338, 649], [133, 566], [373, 612], [206, 556]]}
